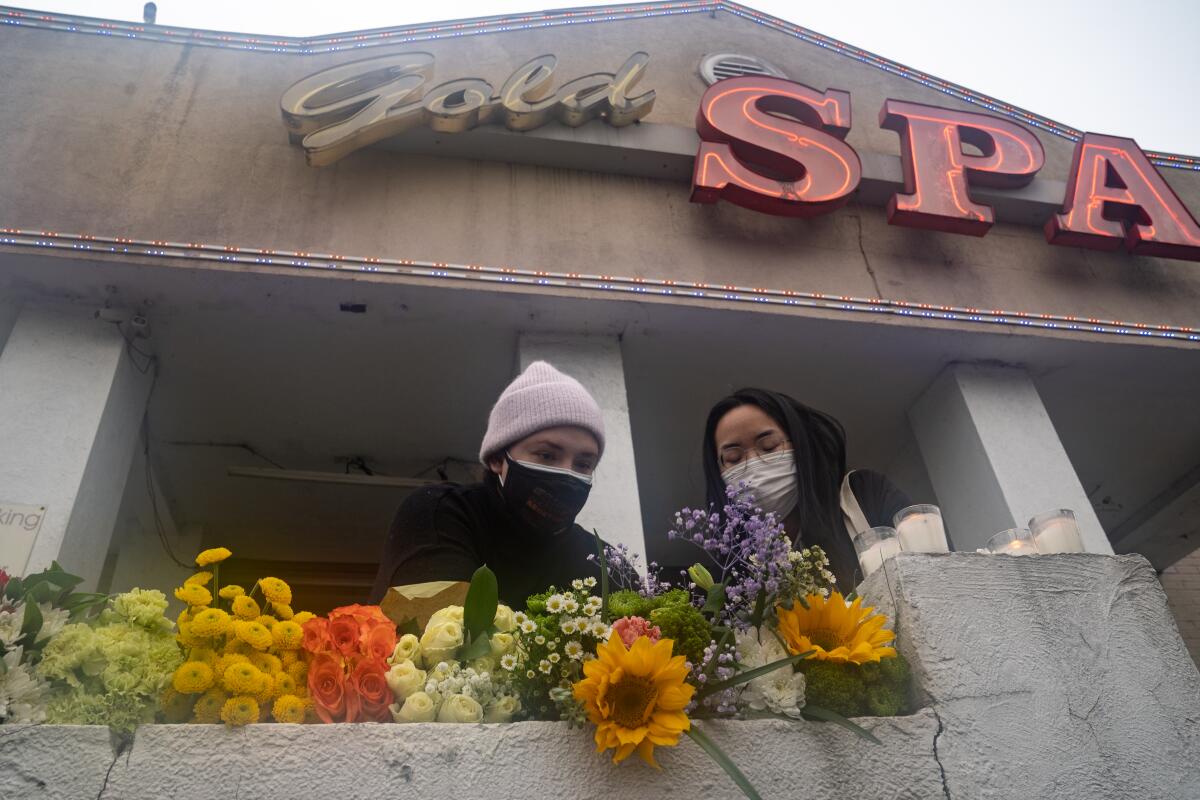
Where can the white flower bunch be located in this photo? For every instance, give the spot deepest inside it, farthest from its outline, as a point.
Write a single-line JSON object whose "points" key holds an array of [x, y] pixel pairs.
{"points": [[22, 692], [451, 693], [780, 691]]}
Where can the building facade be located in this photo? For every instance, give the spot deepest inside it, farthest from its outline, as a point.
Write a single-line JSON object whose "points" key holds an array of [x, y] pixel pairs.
{"points": [[253, 290]]}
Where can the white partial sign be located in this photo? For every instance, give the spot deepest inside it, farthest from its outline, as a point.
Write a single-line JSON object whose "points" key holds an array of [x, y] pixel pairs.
{"points": [[19, 526]]}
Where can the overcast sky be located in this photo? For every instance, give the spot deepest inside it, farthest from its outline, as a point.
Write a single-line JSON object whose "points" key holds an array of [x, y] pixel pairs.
{"points": [[1110, 66]]}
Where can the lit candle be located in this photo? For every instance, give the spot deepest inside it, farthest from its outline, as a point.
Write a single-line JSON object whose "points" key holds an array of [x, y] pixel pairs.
{"points": [[873, 557], [921, 530], [1056, 532], [1012, 542]]}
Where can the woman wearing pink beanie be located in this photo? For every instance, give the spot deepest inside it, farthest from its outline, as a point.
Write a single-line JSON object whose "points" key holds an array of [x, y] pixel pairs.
{"points": [[544, 438]]}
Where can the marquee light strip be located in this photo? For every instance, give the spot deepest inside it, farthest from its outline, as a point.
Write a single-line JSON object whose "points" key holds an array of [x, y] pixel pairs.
{"points": [[685, 290], [474, 27]]}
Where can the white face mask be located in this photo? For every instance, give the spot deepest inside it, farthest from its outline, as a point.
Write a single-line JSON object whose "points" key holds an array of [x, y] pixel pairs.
{"points": [[772, 481]]}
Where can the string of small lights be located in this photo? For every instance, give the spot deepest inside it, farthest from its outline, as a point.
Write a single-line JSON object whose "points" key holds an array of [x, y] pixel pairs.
{"points": [[684, 290], [474, 27]]}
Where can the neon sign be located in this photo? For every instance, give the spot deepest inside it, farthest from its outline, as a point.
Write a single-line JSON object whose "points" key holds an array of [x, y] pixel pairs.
{"points": [[339, 110], [776, 146]]}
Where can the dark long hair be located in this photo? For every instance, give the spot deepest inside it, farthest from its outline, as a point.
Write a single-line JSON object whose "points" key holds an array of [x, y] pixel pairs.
{"points": [[819, 443]]}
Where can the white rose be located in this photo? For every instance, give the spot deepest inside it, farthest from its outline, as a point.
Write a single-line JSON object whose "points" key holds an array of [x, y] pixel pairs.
{"points": [[404, 679], [447, 614], [418, 707], [460, 708], [502, 645], [483, 665], [440, 640], [502, 709], [407, 649], [505, 619]]}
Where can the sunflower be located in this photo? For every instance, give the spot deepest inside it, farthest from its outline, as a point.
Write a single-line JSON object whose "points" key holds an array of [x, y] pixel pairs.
{"points": [[835, 631], [635, 697]]}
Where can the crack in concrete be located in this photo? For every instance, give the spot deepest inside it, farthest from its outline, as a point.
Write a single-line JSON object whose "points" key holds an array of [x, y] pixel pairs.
{"points": [[936, 755], [862, 249], [108, 774]]}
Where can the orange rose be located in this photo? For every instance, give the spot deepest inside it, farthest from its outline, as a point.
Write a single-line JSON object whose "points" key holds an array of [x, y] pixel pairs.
{"points": [[380, 640], [344, 633], [369, 679], [361, 613], [316, 635], [327, 687]]}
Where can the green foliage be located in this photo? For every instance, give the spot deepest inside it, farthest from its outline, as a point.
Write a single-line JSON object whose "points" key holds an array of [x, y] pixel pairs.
{"points": [[689, 628], [624, 603], [881, 690]]}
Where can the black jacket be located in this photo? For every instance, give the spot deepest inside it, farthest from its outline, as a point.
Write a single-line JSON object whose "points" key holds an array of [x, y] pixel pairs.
{"points": [[447, 531]]}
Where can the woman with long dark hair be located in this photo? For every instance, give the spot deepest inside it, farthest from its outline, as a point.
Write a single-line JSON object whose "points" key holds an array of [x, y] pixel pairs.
{"points": [[793, 458]]}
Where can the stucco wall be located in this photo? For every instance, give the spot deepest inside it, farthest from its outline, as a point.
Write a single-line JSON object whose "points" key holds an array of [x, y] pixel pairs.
{"points": [[1050, 676]]}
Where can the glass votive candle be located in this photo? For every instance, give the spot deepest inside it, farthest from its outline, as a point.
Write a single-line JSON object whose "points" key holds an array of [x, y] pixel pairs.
{"points": [[1013, 542], [874, 546], [1056, 532], [921, 530]]}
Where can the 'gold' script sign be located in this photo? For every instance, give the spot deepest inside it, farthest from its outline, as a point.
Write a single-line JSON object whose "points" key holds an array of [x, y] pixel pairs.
{"points": [[336, 111]]}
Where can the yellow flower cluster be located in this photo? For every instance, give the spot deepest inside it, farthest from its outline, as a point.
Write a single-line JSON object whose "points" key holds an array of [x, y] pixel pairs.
{"points": [[245, 662]]}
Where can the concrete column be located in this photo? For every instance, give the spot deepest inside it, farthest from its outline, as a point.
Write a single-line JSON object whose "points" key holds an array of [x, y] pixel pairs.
{"points": [[613, 508], [71, 405], [994, 457]]}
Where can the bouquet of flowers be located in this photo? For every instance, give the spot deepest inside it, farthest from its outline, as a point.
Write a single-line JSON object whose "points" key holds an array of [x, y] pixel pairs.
{"points": [[740, 646], [243, 661], [113, 669], [32, 611], [347, 672], [468, 656]]}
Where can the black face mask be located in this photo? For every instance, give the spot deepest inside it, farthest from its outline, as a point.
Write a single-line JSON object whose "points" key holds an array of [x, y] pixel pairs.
{"points": [[546, 499]]}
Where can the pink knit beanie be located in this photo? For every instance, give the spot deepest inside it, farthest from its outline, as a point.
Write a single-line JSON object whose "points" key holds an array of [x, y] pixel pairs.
{"points": [[541, 397]]}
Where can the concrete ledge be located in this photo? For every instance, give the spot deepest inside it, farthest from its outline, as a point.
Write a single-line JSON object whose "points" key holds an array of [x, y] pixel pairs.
{"points": [[1054, 676]]}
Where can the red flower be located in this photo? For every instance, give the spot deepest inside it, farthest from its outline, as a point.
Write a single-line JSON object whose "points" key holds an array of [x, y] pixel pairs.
{"points": [[362, 614], [344, 634], [316, 635], [327, 687], [380, 640], [369, 680]]}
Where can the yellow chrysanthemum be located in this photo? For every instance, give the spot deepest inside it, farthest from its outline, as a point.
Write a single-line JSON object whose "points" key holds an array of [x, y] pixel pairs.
{"points": [[266, 689], [242, 678], [275, 590], [299, 673], [211, 622], [253, 634], [288, 708], [194, 595], [213, 555], [184, 616], [245, 607], [208, 707], [199, 579], [636, 697], [283, 684], [240, 711], [186, 638], [302, 617], [283, 610], [176, 707], [236, 645], [266, 620], [287, 635], [192, 677], [835, 631], [287, 657], [266, 662], [226, 661], [231, 591]]}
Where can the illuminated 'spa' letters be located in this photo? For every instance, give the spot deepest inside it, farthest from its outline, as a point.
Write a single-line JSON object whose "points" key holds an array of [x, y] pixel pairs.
{"points": [[1115, 196], [774, 146], [938, 173]]}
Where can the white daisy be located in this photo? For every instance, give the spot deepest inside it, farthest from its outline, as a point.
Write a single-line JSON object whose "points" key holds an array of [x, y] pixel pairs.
{"points": [[555, 603], [554, 658], [568, 626], [545, 666], [589, 582], [573, 649], [599, 630], [577, 585], [528, 626], [530, 674], [520, 617], [540, 639], [570, 605], [508, 661]]}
